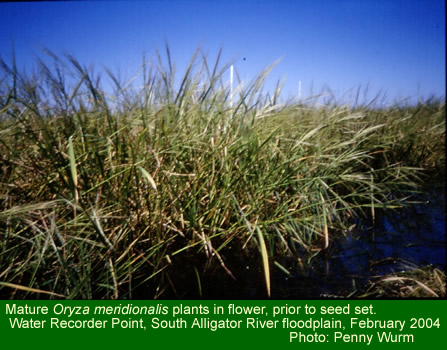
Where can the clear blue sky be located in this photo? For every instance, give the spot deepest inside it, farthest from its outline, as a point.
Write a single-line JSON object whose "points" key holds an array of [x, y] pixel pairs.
{"points": [[397, 46]]}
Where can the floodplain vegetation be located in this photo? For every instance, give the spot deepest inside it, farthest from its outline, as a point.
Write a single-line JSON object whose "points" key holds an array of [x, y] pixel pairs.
{"points": [[177, 186]]}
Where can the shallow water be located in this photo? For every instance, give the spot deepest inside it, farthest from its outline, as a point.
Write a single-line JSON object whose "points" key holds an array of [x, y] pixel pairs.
{"points": [[401, 240]]}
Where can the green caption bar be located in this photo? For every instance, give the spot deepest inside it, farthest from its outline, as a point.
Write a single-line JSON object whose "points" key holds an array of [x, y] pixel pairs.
{"points": [[225, 324]]}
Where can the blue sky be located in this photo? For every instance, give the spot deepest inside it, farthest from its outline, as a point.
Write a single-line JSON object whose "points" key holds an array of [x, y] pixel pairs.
{"points": [[396, 46]]}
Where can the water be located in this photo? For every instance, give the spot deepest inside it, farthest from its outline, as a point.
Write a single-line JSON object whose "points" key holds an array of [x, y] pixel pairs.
{"points": [[401, 240]]}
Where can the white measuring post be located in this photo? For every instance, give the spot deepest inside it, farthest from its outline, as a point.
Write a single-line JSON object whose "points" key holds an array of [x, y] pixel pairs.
{"points": [[231, 86], [299, 91]]}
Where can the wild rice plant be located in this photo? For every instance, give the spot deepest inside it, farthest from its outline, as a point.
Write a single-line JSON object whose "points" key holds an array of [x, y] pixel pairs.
{"points": [[158, 191]]}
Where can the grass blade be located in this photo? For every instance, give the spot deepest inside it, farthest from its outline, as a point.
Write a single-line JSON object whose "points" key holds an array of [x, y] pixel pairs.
{"points": [[148, 177], [28, 289], [265, 260]]}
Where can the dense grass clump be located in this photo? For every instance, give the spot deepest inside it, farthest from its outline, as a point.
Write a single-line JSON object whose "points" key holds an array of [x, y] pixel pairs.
{"points": [[175, 188]]}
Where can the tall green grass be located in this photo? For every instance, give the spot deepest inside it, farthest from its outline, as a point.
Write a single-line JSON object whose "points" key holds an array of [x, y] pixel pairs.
{"points": [[157, 191]]}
